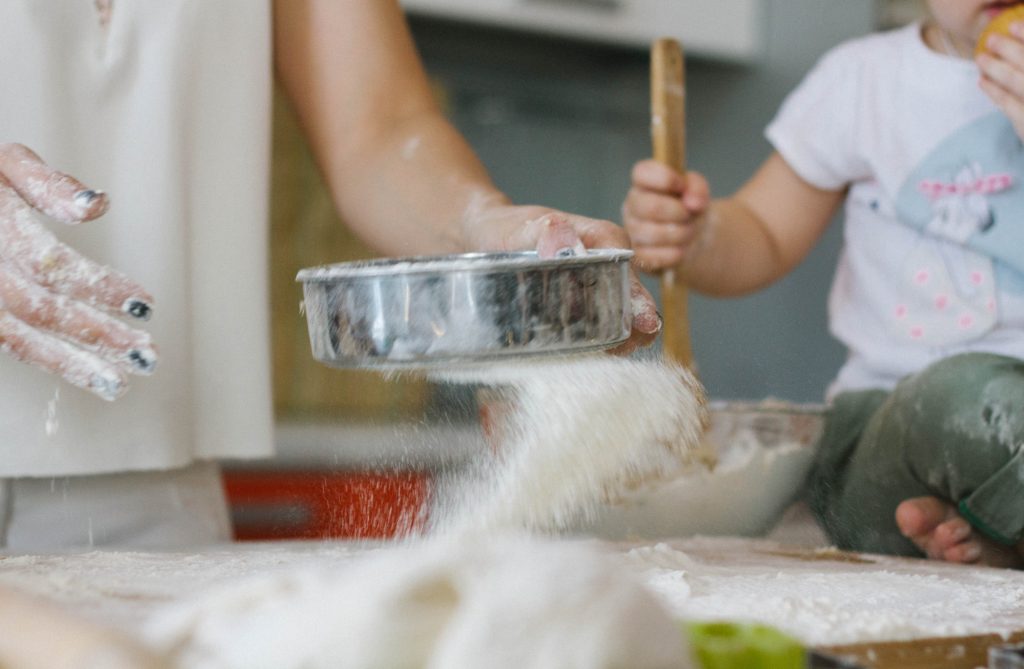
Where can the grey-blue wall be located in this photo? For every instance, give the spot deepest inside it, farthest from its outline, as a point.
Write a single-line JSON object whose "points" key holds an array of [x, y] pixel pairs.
{"points": [[560, 122]]}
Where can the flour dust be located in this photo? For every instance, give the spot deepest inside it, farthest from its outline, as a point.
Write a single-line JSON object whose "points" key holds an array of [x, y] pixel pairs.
{"points": [[567, 435], [52, 422]]}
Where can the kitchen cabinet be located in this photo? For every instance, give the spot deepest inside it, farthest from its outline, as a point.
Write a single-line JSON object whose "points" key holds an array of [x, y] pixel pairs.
{"points": [[722, 29]]}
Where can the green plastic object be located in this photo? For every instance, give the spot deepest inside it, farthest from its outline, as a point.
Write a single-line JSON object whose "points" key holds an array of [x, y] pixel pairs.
{"points": [[737, 646]]}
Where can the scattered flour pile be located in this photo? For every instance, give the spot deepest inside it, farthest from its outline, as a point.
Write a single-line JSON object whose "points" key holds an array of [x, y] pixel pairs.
{"points": [[573, 433], [499, 603], [825, 603]]}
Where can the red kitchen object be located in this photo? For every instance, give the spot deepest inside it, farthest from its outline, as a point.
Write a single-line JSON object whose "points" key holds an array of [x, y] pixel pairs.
{"points": [[306, 504]]}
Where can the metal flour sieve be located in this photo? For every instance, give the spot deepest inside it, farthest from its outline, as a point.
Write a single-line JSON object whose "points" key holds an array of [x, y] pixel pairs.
{"points": [[436, 311]]}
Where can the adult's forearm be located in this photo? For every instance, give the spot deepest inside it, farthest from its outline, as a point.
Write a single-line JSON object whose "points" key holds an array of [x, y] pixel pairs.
{"points": [[400, 174], [416, 188]]}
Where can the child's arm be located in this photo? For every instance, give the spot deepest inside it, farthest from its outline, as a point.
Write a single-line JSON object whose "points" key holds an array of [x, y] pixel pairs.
{"points": [[728, 246]]}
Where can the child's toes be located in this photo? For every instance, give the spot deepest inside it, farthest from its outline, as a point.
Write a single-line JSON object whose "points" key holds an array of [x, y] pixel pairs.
{"points": [[919, 518], [965, 552], [951, 533]]}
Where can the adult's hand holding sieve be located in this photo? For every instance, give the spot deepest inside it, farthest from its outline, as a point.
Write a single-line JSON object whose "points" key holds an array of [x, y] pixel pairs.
{"points": [[554, 233], [57, 307]]}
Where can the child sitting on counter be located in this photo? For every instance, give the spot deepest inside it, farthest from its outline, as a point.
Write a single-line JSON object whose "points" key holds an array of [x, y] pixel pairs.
{"points": [[919, 137]]}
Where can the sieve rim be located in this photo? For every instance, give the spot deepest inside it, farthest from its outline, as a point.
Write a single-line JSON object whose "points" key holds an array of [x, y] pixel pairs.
{"points": [[461, 262]]}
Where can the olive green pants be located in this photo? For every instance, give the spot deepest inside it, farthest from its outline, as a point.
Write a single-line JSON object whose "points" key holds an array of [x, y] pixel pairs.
{"points": [[953, 431]]}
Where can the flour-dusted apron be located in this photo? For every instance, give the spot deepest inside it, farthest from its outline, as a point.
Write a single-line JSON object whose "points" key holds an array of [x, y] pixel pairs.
{"points": [[165, 105]]}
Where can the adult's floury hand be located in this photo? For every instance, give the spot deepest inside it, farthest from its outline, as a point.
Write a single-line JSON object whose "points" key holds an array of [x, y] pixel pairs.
{"points": [[57, 308]]}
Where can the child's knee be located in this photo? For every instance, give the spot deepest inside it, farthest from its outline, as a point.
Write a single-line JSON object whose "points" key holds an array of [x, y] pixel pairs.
{"points": [[958, 421], [962, 386]]}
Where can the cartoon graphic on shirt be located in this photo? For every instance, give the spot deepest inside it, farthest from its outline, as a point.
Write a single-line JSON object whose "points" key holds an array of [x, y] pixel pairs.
{"points": [[947, 295], [968, 190], [966, 200], [961, 208]]}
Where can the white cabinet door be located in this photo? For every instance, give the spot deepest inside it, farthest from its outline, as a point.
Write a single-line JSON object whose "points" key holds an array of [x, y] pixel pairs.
{"points": [[728, 29]]}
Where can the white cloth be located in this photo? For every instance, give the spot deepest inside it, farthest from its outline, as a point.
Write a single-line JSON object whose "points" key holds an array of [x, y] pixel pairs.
{"points": [[166, 107], [175, 509], [933, 257]]}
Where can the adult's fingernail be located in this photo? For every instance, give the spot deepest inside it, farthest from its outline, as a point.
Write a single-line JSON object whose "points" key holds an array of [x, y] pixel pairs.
{"points": [[108, 385], [578, 249], [85, 198], [648, 322], [138, 309], [143, 360]]}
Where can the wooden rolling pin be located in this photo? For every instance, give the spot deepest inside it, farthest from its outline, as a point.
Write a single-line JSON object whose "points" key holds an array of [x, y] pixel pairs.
{"points": [[35, 634], [668, 135]]}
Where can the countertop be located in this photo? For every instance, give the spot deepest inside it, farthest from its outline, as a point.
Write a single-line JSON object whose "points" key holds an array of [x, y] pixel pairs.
{"points": [[906, 613]]}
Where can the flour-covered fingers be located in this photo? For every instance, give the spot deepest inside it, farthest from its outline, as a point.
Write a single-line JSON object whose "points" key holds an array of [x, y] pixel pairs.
{"points": [[78, 367], [554, 234], [646, 319], [54, 193], [64, 270], [557, 238], [76, 322], [561, 238], [40, 256], [595, 233]]}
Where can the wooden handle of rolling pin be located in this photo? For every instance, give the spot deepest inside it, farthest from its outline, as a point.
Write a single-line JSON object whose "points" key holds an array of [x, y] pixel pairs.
{"points": [[668, 135]]}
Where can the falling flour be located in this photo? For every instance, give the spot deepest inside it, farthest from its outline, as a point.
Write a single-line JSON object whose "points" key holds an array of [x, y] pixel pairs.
{"points": [[52, 422], [571, 433]]}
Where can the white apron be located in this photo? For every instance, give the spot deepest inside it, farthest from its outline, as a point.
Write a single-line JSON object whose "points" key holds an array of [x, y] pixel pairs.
{"points": [[167, 108]]}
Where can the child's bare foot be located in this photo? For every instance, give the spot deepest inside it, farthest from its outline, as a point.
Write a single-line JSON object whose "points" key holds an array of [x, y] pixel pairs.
{"points": [[943, 534]]}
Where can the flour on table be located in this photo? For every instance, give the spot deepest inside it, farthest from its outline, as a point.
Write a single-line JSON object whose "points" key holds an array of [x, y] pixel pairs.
{"points": [[194, 605], [498, 603], [824, 602], [576, 431]]}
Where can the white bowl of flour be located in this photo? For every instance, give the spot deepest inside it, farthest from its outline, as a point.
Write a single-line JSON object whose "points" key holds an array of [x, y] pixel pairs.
{"points": [[764, 453]]}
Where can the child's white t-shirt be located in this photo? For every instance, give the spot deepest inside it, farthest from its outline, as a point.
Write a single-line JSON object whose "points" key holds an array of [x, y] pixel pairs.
{"points": [[933, 256]]}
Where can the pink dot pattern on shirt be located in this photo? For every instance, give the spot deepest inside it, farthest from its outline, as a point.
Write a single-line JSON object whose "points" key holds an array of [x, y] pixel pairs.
{"points": [[917, 332], [977, 279], [941, 301], [921, 277], [966, 322], [901, 311]]}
